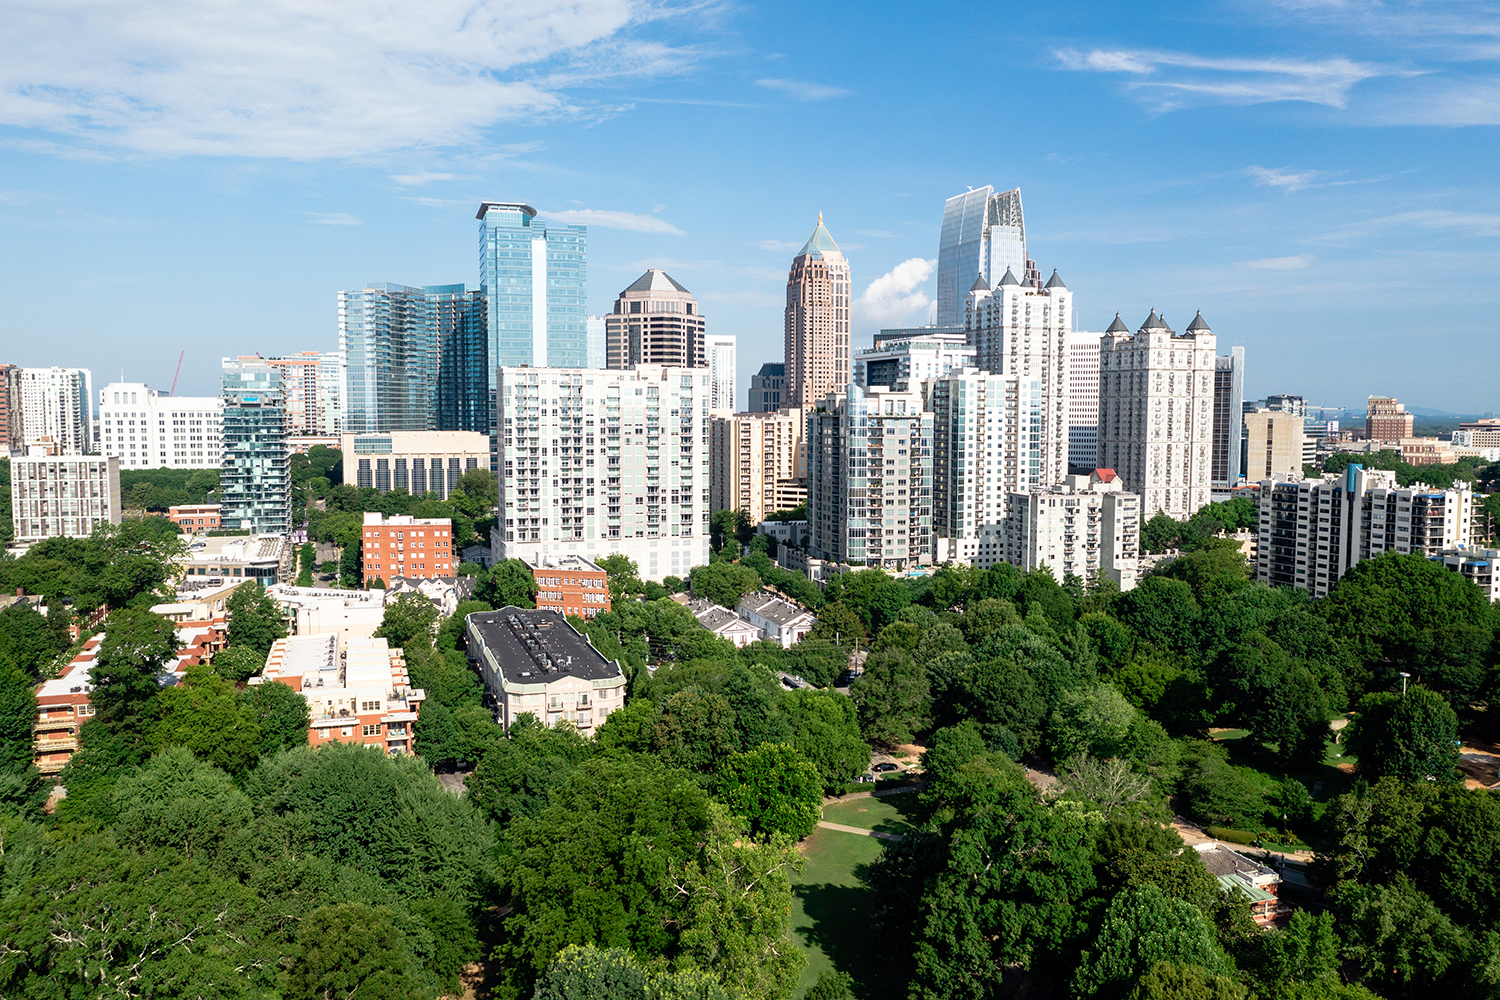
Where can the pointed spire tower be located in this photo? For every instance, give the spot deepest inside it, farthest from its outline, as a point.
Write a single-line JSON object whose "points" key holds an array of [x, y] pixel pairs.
{"points": [[817, 321]]}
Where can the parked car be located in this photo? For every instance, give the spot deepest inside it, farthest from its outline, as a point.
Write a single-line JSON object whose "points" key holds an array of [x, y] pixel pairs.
{"points": [[882, 768]]}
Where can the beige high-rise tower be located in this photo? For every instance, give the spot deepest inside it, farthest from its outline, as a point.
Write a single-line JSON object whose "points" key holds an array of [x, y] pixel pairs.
{"points": [[817, 321]]}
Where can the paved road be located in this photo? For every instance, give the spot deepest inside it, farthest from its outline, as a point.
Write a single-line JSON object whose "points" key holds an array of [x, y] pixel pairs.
{"points": [[877, 834]]}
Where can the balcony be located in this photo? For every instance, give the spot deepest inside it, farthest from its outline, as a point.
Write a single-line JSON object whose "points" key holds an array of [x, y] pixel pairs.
{"points": [[54, 745]]}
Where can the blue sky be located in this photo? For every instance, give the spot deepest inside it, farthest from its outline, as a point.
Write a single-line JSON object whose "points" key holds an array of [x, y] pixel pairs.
{"points": [[1318, 178]]}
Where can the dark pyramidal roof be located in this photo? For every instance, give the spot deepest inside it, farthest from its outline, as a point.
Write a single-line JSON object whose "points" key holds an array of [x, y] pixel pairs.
{"points": [[1118, 326], [1197, 324], [1055, 281], [1008, 279], [980, 285], [655, 280]]}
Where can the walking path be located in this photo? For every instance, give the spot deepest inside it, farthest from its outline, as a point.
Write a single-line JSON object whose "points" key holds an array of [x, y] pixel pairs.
{"points": [[879, 794], [877, 834]]}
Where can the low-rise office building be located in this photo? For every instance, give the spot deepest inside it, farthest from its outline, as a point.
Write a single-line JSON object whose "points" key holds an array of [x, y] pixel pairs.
{"points": [[196, 518], [357, 691], [416, 461], [570, 585], [402, 545], [535, 662], [266, 559]]}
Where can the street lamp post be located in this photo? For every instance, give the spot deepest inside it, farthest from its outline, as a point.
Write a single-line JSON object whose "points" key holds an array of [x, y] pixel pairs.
{"points": [[1404, 676]]}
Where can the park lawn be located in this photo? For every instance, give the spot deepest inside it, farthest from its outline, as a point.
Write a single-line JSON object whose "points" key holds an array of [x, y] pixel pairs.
{"points": [[831, 908], [888, 813]]}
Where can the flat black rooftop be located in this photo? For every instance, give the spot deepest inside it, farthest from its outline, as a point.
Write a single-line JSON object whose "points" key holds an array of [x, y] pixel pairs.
{"points": [[538, 647]]}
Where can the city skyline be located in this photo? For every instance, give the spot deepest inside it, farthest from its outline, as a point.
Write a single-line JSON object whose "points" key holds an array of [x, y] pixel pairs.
{"points": [[1267, 166]]}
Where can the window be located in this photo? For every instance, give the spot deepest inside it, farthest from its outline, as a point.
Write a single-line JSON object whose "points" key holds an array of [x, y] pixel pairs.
{"points": [[369, 706], [372, 730]]}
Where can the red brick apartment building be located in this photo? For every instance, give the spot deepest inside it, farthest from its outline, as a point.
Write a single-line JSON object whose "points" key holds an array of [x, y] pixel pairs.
{"points": [[401, 545], [359, 693], [193, 518], [62, 704], [570, 585]]}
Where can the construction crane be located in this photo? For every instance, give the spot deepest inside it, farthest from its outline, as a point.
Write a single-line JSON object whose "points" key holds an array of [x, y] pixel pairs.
{"points": [[173, 390]]}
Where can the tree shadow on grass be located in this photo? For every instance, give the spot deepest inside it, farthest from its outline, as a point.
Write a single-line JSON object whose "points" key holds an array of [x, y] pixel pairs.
{"points": [[840, 916]]}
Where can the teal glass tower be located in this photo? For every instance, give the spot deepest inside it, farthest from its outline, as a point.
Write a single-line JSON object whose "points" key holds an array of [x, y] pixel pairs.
{"points": [[534, 280], [462, 387], [255, 481], [389, 336]]}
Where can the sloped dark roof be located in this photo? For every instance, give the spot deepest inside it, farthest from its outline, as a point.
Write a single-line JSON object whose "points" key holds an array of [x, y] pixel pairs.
{"points": [[1118, 326], [1153, 322], [655, 280], [1009, 279], [1054, 281], [980, 285], [1197, 324]]}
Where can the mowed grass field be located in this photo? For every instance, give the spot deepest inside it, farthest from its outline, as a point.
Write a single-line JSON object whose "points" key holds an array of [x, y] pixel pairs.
{"points": [[831, 905]]}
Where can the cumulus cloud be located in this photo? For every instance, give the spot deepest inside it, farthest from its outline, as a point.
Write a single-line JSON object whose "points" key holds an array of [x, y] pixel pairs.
{"points": [[1296, 263], [614, 220], [896, 296], [802, 90], [308, 79]]}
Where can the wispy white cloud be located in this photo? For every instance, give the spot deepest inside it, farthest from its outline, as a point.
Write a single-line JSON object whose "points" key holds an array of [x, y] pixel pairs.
{"points": [[443, 203], [779, 245], [417, 180], [802, 90], [310, 79], [895, 296], [1171, 80], [1482, 224], [1296, 263], [335, 218], [1282, 177], [607, 219]]}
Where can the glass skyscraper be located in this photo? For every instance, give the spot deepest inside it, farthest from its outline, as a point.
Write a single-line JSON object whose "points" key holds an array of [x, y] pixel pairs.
{"points": [[389, 337], [255, 481], [535, 286], [462, 386], [983, 234]]}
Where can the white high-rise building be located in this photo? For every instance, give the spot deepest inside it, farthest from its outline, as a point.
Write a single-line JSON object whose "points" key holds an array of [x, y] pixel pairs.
{"points": [[314, 384], [869, 458], [912, 356], [983, 234], [1313, 531], [62, 495], [1023, 330], [720, 349], [597, 462], [147, 430], [986, 435], [1083, 400], [57, 403], [1087, 527], [1156, 398]]}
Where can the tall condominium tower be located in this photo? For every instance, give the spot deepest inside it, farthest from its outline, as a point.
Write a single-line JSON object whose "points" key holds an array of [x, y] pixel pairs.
{"points": [[767, 387], [869, 471], [255, 481], [986, 433], [147, 430], [388, 336], [463, 386], [10, 409], [911, 355], [983, 234], [57, 403], [1083, 401], [598, 462], [720, 349], [757, 462], [1022, 330], [655, 322], [1229, 425], [314, 386], [535, 284], [1385, 420], [1156, 397], [817, 321]]}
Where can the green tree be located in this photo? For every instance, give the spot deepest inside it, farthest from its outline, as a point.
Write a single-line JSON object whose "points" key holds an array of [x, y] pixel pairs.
{"points": [[280, 713], [1161, 611], [1218, 793], [409, 620], [518, 772], [623, 574], [1142, 928], [1412, 736], [584, 972], [1402, 944], [17, 715], [774, 789], [837, 623], [239, 663], [1109, 784], [307, 556], [136, 649], [1170, 981], [825, 729], [891, 696], [1093, 720], [874, 597], [177, 800], [203, 714], [353, 951], [508, 584], [1274, 696], [255, 619], [724, 583], [695, 730]]}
